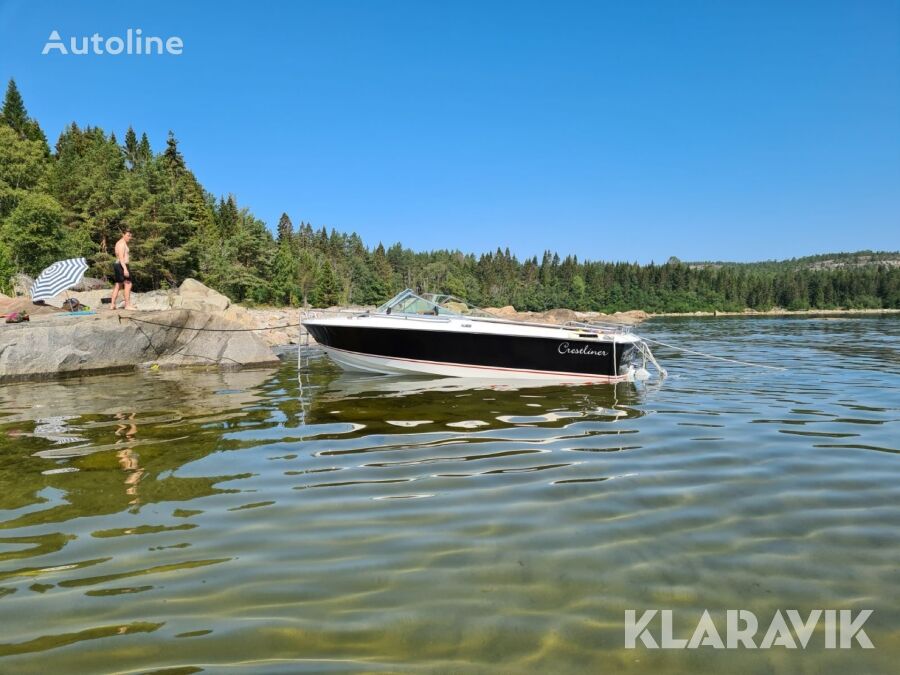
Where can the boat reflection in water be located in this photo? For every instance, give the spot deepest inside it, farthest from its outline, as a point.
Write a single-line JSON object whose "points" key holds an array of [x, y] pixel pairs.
{"points": [[391, 401]]}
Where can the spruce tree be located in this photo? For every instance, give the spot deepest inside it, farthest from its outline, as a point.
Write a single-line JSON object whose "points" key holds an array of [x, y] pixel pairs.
{"points": [[15, 116], [285, 229], [227, 217], [131, 148], [145, 152], [172, 154], [307, 272], [285, 273], [328, 286], [14, 113]]}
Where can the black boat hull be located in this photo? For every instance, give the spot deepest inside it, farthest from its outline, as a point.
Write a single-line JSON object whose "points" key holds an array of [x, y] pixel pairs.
{"points": [[472, 353]]}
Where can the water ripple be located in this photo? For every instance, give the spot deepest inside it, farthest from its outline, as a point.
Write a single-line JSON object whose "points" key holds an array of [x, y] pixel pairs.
{"points": [[251, 522]]}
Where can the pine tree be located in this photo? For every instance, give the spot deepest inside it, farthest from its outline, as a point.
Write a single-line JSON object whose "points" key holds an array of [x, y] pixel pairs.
{"points": [[304, 235], [227, 217], [131, 148], [307, 273], [87, 179], [145, 152], [328, 288], [14, 113], [16, 117], [285, 273], [172, 154], [285, 228]]}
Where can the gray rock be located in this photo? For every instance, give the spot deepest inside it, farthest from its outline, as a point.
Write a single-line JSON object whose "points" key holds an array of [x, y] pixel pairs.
{"points": [[559, 316], [152, 301], [195, 296], [91, 284], [53, 346], [21, 284]]}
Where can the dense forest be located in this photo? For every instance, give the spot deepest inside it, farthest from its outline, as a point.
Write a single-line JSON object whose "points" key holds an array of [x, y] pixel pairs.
{"points": [[75, 198]]}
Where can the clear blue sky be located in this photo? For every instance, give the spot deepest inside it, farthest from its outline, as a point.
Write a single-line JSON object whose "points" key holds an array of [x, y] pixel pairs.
{"points": [[616, 131]]}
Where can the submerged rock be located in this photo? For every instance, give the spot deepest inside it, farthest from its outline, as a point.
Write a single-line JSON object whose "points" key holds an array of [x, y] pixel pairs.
{"points": [[59, 345]]}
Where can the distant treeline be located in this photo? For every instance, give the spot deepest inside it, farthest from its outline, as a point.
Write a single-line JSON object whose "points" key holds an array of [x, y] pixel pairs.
{"points": [[76, 198]]}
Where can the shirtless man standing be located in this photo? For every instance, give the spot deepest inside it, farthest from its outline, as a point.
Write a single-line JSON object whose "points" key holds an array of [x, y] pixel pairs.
{"points": [[121, 272]]}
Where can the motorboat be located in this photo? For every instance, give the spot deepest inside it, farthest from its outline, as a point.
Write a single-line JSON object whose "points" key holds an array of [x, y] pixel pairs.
{"points": [[442, 335]]}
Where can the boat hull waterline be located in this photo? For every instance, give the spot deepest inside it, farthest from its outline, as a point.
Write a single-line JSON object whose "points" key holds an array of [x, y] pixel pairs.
{"points": [[453, 348]]}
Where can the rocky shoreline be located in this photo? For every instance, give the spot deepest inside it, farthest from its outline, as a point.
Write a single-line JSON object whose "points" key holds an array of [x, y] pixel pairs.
{"points": [[195, 326], [191, 327], [52, 346]]}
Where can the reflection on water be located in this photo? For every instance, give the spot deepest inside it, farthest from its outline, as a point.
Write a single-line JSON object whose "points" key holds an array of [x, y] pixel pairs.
{"points": [[265, 523]]}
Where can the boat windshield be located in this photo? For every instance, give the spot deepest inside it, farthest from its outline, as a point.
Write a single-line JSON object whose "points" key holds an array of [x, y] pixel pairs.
{"points": [[427, 304]]}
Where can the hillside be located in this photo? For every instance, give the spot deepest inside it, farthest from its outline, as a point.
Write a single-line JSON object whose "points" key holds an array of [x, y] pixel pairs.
{"points": [[76, 198], [822, 261]]}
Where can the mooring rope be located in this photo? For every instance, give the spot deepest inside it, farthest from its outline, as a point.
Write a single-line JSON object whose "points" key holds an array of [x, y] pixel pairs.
{"points": [[27, 324], [711, 356], [210, 330]]}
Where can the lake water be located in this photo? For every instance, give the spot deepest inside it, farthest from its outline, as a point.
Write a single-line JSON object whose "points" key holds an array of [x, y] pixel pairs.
{"points": [[252, 522]]}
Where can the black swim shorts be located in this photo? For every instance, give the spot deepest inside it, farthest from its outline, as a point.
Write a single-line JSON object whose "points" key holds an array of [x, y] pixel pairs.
{"points": [[119, 273]]}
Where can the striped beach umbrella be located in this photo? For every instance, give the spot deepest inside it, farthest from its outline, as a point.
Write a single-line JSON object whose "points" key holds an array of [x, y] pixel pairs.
{"points": [[60, 276]]}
